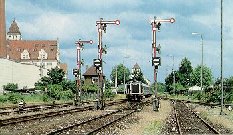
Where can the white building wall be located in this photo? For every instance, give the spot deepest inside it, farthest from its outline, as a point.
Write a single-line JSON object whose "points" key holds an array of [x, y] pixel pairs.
{"points": [[47, 65], [24, 75]]}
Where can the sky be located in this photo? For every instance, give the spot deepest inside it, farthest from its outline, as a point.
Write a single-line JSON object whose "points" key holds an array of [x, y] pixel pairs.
{"points": [[130, 42]]}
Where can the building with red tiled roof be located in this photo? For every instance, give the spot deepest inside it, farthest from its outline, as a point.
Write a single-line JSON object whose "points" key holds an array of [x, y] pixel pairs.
{"points": [[41, 53], [32, 50]]}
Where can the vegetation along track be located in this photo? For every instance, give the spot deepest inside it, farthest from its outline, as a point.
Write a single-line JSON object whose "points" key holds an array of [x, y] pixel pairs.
{"points": [[188, 122], [53, 113], [95, 124]]}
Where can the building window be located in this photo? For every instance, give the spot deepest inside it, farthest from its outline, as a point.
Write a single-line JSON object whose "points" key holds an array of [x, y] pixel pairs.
{"points": [[94, 79], [25, 55], [42, 54], [49, 64]]}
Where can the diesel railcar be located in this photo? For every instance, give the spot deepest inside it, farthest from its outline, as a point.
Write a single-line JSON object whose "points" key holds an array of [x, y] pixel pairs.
{"points": [[136, 91]]}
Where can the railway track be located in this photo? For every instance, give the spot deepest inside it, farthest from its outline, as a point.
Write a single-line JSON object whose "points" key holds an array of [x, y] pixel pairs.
{"points": [[4, 111], [188, 122], [18, 119], [95, 124], [31, 108]]}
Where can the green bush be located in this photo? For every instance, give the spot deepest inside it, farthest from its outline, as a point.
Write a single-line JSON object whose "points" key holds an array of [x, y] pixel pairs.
{"points": [[10, 87], [14, 97], [3, 98], [65, 95], [90, 87], [45, 98], [109, 94], [54, 91], [88, 96]]}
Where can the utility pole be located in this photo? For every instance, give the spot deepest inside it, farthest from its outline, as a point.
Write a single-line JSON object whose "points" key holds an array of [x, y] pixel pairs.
{"points": [[116, 78], [202, 56], [174, 78], [101, 25], [221, 113], [41, 64], [173, 72], [77, 72], [124, 70]]}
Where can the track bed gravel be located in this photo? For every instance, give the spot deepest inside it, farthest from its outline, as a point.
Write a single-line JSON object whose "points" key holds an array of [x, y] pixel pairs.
{"points": [[147, 121], [44, 125]]}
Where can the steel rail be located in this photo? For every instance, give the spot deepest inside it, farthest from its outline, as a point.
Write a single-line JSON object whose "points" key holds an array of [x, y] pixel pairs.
{"points": [[177, 122], [15, 120], [203, 121], [60, 130], [109, 123], [207, 124], [80, 123]]}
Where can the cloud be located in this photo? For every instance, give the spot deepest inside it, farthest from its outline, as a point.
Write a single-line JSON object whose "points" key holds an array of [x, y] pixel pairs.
{"points": [[52, 25], [71, 20]]}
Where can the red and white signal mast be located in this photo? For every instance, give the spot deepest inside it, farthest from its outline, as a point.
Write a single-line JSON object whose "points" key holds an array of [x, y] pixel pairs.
{"points": [[77, 72], [101, 25], [156, 61]]}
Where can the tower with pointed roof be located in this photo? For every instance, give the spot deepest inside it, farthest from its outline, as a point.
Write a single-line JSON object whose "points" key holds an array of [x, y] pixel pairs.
{"points": [[136, 67], [14, 33]]}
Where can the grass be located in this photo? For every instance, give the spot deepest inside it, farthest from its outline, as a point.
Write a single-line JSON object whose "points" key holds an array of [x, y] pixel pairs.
{"points": [[153, 128], [213, 115], [120, 96], [12, 99]]}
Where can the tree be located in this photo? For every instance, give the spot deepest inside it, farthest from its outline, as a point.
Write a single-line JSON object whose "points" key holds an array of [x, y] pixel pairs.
{"points": [[182, 77], [160, 87], [169, 81], [69, 85], [120, 74], [56, 86], [207, 76], [227, 87], [137, 75], [185, 71], [55, 76]]}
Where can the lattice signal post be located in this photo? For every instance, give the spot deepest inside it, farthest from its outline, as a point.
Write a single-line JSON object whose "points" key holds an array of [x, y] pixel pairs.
{"points": [[101, 25], [156, 61], [77, 72]]}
